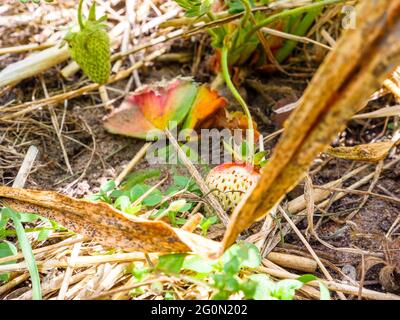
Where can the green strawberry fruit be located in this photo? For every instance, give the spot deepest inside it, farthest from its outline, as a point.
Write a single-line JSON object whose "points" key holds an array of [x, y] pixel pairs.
{"points": [[230, 182], [90, 47]]}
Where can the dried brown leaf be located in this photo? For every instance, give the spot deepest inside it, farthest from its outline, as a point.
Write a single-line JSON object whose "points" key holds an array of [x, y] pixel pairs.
{"points": [[373, 152], [104, 224]]}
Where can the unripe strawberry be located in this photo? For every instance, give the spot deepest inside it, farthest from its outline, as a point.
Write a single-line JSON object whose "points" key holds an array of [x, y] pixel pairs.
{"points": [[229, 182], [90, 47]]}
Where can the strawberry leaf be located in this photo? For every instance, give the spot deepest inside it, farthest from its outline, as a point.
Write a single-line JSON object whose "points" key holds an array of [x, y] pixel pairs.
{"points": [[153, 108]]}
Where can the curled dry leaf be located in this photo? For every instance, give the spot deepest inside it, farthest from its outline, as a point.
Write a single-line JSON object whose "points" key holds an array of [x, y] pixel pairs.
{"points": [[104, 224], [389, 276], [372, 152], [154, 108]]}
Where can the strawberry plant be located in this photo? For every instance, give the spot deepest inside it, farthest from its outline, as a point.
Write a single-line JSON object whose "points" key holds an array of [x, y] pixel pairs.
{"points": [[232, 274], [90, 47], [135, 195]]}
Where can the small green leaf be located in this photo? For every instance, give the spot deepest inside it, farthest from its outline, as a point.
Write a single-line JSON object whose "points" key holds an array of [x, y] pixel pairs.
{"points": [[108, 186], [43, 235], [140, 273], [117, 193], [93, 197], [249, 288], [139, 177], [28, 217], [169, 296], [171, 263], [248, 254], [137, 191], [258, 157], [28, 254], [198, 264], [307, 278], [133, 209], [286, 289], [7, 249], [186, 207], [153, 199], [264, 286], [122, 203], [206, 223], [177, 205], [3, 222], [232, 266], [181, 181]]}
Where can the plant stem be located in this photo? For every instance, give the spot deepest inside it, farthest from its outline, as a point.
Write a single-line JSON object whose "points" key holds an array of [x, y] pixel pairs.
{"points": [[238, 97], [80, 19]]}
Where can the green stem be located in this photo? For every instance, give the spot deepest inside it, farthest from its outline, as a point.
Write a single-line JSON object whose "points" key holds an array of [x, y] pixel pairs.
{"points": [[238, 97], [80, 18]]}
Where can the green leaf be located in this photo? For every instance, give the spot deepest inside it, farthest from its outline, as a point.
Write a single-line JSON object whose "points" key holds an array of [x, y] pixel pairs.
{"points": [[140, 273], [186, 207], [324, 291], [286, 289], [198, 264], [7, 249], [181, 181], [3, 221], [206, 223], [194, 8], [43, 235], [169, 296], [28, 254], [249, 288], [28, 217], [107, 187], [264, 286], [171, 263], [232, 284], [92, 12], [232, 266], [117, 193], [93, 197], [236, 6], [307, 278], [153, 198], [139, 177], [247, 253], [258, 157], [133, 209], [122, 203], [177, 205], [137, 191]]}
